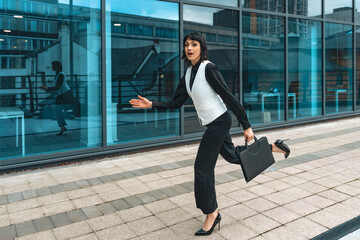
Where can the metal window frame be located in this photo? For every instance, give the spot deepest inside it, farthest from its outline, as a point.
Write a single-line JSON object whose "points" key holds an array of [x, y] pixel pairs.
{"points": [[354, 57], [286, 67], [103, 74], [323, 111]]}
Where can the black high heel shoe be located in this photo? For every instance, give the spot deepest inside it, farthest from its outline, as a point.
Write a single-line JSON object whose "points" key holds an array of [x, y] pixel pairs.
{"points": [[62, 130], [202, 232], [281, 145]]}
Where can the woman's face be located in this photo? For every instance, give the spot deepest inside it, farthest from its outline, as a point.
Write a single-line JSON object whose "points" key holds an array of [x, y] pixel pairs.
{"points": [[192, 50]]}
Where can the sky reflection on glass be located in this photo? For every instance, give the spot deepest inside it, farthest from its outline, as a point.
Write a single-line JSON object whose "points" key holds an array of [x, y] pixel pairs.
{"points": [[315, 9], [199, 14], [145, 8], [221, 2], [83, 3]]}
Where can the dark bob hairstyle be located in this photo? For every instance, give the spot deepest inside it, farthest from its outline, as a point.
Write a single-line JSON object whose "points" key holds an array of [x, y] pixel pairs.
{"points": [[57, 66], [197, 37]]}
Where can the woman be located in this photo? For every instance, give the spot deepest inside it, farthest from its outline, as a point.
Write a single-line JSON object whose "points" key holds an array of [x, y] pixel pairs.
{"points": [[64, 94], [205, 85]]}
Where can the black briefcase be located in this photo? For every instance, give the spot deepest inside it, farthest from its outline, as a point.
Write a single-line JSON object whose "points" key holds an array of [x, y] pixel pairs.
{"points": [[256, 158]]}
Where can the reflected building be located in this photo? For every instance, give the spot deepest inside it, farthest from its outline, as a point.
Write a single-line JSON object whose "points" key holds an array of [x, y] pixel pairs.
{"points": [[298, 7], [265, 5], [35, 37], [342, 14], [34, 34]]}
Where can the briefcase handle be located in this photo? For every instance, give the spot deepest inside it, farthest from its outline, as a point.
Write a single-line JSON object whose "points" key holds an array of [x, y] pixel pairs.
{"points": [[246, 142]]}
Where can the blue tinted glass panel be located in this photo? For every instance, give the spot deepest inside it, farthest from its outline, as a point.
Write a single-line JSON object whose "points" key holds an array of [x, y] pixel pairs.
{"points": [[357, 90], [233, 3], [224, 38], [235, 40], [305, 68], [140, 29], [263, 67], [338, 68], [210, 37], [215, 22], [253, 42], [167, 32], [305, 8], [142, 59], [50, 77], [357, 11], [265, 5], [117, 27]]}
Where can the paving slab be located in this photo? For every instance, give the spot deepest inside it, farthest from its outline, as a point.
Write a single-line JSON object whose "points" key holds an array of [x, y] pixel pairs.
{"points": [[150, 195]]}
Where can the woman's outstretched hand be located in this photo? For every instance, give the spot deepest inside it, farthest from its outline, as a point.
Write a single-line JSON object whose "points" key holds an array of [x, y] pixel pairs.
{"points": [[141, 102], [248, 134]]}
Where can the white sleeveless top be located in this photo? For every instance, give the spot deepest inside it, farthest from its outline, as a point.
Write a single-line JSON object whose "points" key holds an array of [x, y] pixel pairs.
{"points": [[208, 103], [64, 87]]}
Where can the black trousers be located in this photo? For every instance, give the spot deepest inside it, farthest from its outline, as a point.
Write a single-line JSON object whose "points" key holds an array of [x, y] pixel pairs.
{"points": [[63, 102], [215, 140]]}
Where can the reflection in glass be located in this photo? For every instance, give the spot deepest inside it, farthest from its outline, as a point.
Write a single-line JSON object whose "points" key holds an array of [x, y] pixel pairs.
{"points": [[266, 5], [305, 71], [142, 59], [338, 67], [220, 28], [233, 3], [309, 8], [263, 67], [357, 90], [357, 11], [339, 10], [39, 33]]}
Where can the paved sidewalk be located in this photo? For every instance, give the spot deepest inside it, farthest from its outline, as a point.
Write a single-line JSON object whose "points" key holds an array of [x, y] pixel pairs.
{"points": [[150, 195]]}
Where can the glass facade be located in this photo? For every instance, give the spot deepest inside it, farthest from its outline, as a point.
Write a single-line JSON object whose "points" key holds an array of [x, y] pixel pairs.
{"points": [[142, 59], [263, 67], [233, 3], [220, 29], [357, 75], [304, 8], [357, 11], [68, 69], [265, 5], [33, 35], [305, 68], [338, 66]]}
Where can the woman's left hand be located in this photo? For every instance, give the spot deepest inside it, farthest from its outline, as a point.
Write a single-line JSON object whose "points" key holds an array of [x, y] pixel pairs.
{"points": [[248, 134], [141, 102]]}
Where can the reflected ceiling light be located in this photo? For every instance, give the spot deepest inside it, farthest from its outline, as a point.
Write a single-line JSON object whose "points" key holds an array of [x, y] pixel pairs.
{"points": [[7, 30], [1, 40], [25, 40], [15, 46], [18, 16], [117, 24]]}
